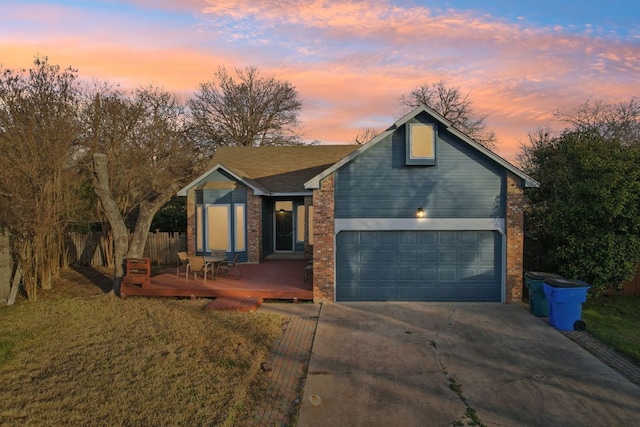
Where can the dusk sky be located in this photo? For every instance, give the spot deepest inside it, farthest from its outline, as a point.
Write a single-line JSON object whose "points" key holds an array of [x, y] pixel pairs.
{"points": [[521, 61]]}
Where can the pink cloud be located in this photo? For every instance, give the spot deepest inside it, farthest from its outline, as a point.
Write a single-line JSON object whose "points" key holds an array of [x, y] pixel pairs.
{"points": [[350, 61]]}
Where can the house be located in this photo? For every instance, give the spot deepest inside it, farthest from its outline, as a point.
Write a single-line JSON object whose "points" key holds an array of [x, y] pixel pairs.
{"points": [[419, 213]]}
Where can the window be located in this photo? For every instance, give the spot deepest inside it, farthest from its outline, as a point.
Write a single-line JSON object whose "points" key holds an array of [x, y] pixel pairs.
{"points": [[218, 227], [286, 205], [421, 144], [239, 228], [300, 224]]}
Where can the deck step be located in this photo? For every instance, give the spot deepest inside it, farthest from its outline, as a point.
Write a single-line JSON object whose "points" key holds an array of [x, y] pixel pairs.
{"points": [[242, 304]]}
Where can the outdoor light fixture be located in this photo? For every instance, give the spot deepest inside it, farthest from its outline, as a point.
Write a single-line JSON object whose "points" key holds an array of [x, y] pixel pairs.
{"points": [[421, 213], [281, 210]]}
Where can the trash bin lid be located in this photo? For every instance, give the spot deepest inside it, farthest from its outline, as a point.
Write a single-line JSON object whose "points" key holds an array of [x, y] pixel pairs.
{"points": [[566, 283], [539, 275]]}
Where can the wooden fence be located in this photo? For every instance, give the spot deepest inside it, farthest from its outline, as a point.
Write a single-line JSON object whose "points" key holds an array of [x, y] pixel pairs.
{"points": [[92, 249], [630, 288]]}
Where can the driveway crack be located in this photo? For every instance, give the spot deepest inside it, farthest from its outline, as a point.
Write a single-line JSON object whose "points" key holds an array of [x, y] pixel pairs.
{"points": [[470, 416], [434, 343]]}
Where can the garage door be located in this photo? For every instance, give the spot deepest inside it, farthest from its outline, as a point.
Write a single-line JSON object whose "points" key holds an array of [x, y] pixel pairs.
{"points": [[418, 266]]}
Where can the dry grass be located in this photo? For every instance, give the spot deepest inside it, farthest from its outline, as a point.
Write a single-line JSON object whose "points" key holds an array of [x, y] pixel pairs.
{"points": [[93, 359]]}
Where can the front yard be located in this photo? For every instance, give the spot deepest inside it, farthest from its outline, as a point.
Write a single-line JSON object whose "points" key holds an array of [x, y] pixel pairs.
{"points": [[615, 321], [81, 357], [93, 359]]}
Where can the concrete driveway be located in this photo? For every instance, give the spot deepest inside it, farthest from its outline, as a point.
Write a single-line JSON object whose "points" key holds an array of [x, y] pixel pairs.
{"points": [[443, 364]]}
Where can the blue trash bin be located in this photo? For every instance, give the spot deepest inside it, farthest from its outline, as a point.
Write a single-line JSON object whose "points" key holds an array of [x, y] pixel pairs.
{"points": [[565, 302], [538, 304]]}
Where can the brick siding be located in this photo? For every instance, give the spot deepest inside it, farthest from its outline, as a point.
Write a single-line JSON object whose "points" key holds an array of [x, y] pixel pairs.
{"points": [[323, 239], [515, 238], [254, 227]]}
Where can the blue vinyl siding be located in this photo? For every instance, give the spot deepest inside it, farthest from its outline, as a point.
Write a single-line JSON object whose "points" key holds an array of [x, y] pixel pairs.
{"points": [[420, 265], [378, 183]]}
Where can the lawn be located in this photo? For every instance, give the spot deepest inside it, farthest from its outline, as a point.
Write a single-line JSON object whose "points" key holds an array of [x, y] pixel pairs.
{"points": [[615, 321], [86, 358]]}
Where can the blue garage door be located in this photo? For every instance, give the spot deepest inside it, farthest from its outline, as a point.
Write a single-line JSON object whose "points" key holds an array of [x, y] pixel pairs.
{"points": [[418, 266]]}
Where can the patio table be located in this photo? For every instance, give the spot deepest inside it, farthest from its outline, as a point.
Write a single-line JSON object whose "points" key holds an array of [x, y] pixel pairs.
{"points": [[211, 260]]}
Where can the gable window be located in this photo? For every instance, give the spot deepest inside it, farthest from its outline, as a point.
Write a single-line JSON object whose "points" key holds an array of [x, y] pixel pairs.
{"points": [[421, 144]]}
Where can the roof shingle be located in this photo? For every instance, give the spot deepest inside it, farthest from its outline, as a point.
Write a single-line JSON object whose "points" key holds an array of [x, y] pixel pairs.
{"points": [[281, 169]]}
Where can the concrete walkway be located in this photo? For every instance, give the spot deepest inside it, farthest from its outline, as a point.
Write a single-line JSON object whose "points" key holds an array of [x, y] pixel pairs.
{"points": [[431, 364]]}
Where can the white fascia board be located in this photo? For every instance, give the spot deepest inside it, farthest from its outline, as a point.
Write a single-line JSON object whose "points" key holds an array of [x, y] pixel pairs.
{"points": [[419, 224], [292, 194]]}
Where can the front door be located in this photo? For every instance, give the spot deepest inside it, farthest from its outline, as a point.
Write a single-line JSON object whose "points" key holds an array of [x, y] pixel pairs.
{"points": [[284, 231]]}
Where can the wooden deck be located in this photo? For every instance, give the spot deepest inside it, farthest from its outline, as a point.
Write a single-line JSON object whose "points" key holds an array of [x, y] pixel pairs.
{"points": [[272, 279]]}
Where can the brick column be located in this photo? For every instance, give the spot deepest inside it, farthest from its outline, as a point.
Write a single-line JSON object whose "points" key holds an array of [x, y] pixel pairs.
{"points": [[323, 242], [254, 227], [191, 222], [515, 238]]}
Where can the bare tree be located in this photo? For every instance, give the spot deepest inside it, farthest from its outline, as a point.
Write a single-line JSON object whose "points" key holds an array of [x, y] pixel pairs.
{"points": [[245, 110], [365, 135], [140, 156], [454, 106], [38, 184], [539, 137], [620, 121]]}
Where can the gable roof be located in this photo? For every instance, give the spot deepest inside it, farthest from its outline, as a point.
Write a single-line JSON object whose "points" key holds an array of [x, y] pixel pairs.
{"points": [[528, 181], [274, 170]]}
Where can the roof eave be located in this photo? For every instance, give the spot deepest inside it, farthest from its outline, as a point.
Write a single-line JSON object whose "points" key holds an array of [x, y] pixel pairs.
{"points": [[256, 190], [289, 193]]}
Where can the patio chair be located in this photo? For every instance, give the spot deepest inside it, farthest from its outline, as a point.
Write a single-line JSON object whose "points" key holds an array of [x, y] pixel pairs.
{"points": [[308, 270], [219, 254], [184, 261], [196, 265], [227, 265]]}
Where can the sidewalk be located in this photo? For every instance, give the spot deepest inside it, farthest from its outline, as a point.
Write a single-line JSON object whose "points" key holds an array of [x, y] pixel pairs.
{"points": [[288, 363], [605, 355]]}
